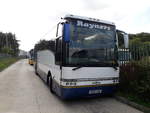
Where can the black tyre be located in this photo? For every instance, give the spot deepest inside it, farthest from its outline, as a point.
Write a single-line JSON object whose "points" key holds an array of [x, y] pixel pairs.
{"points": [[48, 79], [36, 69], [51, 84]]}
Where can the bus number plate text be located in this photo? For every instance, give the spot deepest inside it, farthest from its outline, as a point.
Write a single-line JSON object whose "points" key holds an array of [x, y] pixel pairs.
{"points": [[95, 91]]}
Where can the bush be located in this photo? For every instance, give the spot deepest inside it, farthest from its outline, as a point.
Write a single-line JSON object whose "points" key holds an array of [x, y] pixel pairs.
{"points": [[135, 79]]}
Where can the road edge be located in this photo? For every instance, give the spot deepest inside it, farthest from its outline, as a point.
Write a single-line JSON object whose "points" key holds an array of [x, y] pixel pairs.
{"points": [[130, 103]]}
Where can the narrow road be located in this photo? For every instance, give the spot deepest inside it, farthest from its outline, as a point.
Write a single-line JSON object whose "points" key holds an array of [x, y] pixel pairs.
{"points": [[21, 91]]}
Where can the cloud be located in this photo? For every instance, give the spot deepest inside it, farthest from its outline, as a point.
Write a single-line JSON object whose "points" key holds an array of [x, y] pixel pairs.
{"points": [[94, 5], [30, 20]]}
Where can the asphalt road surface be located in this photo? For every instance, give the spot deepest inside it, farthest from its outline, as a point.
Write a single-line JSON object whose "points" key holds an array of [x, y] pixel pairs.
{"points": [[21, 91]]}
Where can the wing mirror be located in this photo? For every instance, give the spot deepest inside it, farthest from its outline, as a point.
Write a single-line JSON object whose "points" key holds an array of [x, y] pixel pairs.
{"points": [[125, 38]]}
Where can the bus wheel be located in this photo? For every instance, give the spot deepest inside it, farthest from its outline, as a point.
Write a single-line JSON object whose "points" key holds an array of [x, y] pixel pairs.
{"points": [[51, 84], [36, 72], [36, 69]]}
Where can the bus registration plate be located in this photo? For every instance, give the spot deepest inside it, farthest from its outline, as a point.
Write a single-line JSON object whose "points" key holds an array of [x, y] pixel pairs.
{"points": [[95, 91]]}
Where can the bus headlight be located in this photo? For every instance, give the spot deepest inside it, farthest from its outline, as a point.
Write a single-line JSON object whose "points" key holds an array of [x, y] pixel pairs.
{"points": [[71, 83], [116, 80]]}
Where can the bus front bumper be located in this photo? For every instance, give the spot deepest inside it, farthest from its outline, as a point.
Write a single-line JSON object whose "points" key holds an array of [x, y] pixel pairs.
{"points": [[70, 93]]}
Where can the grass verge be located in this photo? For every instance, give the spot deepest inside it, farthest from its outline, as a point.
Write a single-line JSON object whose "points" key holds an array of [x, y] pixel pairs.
{"points": [[5, 62], [134, 98]]}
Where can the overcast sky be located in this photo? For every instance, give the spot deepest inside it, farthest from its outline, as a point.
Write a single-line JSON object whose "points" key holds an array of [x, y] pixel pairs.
{"points": [[32, 20]]}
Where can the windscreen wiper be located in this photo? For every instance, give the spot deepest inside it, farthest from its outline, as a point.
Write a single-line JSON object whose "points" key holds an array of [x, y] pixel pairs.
{"points": [[77, 68], [115, 65]]}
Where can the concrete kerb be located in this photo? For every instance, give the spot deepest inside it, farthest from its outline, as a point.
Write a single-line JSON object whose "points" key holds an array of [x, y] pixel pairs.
{"points": [[137, 106]]}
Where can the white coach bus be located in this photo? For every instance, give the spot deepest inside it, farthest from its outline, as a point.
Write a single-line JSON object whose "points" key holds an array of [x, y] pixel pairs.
{"points": [[85, 60]]}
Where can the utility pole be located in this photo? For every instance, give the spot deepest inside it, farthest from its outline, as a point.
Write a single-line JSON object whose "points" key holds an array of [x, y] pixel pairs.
{"points": [[6, 41], [6, 44]]}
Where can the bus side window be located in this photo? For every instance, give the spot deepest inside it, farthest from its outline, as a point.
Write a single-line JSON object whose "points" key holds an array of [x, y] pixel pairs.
{"points": [[58, 52]]}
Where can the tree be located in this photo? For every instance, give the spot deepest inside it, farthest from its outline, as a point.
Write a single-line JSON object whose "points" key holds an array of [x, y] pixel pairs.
{"points": [[45, 44], [9, 44]]}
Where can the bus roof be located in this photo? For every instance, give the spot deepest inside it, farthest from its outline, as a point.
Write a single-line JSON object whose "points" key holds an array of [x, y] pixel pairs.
{"points": [[87, 18]]}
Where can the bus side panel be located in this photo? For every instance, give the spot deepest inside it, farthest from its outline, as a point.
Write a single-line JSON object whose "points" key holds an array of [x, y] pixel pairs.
{"points": [[45, 59], [56, 75], [45, 63]]}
